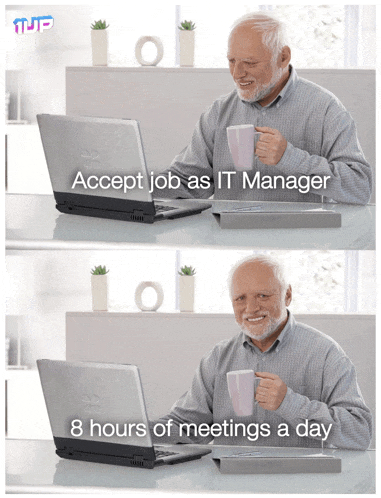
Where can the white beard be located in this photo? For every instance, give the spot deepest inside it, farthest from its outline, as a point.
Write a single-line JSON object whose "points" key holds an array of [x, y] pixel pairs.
{"points": [[269, 330], [261, 91]]}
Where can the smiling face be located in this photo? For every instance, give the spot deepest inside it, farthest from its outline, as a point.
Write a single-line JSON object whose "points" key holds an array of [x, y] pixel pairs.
{"points": [[257, 76], [259, 302]]}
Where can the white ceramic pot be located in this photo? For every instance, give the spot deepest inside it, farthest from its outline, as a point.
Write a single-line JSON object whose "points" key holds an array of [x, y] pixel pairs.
{"points": [[159, 49], [99, 292], [159, 296], [99, 45], [186, 292], [187, 47]]}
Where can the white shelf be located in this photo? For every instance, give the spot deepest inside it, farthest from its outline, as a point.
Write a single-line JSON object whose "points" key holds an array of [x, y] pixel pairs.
{"points": [[16, 121], [13, 371]]}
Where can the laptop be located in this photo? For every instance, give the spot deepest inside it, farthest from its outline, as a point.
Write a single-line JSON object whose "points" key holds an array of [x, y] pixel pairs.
{"points": [[97, 168], [97, 413]]}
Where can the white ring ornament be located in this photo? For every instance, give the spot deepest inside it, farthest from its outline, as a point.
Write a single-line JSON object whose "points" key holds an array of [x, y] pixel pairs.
{"points": [[159, 295], [138, 50]]}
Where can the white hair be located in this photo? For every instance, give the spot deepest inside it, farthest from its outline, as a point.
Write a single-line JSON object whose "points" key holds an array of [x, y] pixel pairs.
{"points": [[276, 266], [273, 30]]}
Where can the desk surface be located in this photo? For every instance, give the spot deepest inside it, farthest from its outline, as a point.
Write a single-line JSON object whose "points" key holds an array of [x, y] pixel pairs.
{"points": [[33, 222], [33, 466]]}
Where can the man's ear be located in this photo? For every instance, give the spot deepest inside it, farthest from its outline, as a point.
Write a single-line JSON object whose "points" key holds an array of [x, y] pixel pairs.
{"points": [[285, 56], [288, 297]]}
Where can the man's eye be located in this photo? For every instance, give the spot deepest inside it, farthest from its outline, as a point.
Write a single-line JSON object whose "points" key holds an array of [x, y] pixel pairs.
{"points": [[263, 296], [240, 298]]}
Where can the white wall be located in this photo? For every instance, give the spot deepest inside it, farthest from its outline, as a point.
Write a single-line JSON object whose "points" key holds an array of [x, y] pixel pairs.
{"points": [[42, 57]]}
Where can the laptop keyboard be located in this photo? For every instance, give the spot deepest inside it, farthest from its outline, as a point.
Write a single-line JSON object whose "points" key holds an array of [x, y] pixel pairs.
{"points": [[160, 208]]}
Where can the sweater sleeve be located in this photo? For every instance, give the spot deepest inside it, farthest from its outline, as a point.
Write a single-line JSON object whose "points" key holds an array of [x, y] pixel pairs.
{"points": [[341, 158], [341, 407]]}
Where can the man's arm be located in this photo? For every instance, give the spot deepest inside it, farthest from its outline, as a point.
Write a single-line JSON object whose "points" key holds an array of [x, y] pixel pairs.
{"points": [[341, 158], [341, 405], [195, 162]]}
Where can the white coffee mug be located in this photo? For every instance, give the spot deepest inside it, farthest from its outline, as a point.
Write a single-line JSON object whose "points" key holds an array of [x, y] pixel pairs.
{"points": [[241, 140], [241, 391]]}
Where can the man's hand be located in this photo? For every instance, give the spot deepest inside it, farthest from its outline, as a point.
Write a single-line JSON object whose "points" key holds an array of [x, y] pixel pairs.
{"points": [[270, 145], [271, 391]]}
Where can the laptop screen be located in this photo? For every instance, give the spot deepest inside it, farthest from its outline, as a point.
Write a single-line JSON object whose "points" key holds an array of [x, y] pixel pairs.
{"points": [[95, 401], [100, 157]]}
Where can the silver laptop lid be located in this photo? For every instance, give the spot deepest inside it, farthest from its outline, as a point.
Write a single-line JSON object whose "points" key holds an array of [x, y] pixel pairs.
{"points": [[94, 146], [110, 395]]}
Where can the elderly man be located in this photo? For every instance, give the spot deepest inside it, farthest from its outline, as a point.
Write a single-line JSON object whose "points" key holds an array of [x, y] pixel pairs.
{"points": [[305, 379], [306, 133]]}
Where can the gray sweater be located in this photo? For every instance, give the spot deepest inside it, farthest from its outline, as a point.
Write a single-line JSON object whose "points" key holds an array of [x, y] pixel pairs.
{"points": [[323, 403], [322, 140]]}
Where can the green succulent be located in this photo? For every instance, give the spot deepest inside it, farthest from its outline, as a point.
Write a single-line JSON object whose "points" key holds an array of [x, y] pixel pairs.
{"points": [[187, 26], [99, 270], [99, 25], [188, 271]]}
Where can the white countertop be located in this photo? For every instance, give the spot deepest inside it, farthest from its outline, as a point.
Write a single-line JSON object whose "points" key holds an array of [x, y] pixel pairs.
{"points": [[33, 222], [33, 467]]}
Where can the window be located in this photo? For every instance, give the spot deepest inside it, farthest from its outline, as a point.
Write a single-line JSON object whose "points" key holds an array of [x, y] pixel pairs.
{"points": [[320, 36], [322, 281], [42, 283]]}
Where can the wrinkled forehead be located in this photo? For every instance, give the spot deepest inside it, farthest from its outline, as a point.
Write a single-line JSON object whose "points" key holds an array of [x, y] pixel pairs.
{"points": [[246, 41], [254, 276], [246, 35]]}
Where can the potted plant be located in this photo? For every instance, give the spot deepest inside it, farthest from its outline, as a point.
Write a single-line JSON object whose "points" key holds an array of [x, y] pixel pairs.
{"points": [[186, 288], [99, 43], [99, 288], [187, 43]]}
